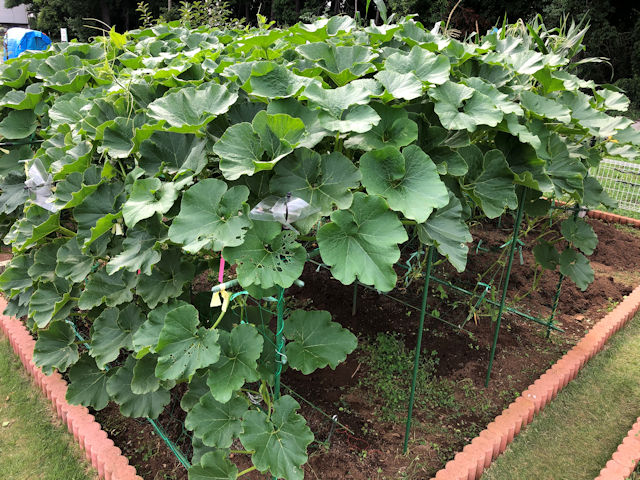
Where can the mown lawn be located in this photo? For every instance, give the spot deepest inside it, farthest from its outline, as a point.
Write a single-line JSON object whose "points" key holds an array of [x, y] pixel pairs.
{"points": [[34, 445], [575, 436]]}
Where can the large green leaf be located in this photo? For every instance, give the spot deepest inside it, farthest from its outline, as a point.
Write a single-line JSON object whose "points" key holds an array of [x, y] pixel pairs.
{"points": [[50, 302], [56, 348], [11, 160], [140, 249], [72, 191], [342, 64], [144, 378], [72, 264], [166, 280], [237, 364], [67, 112], [427, 66], [111, 290], [217, 424], [463, 108], [88, 384], [25, 99], [395, 130], [447, 231], [14, 194], [406, 86], [146, 337], [44, 262], [272, 81], [173, 152], [36, 224], [213, 466], [183, 347], [359, 119], [280, 442], [579, 233], [595, 195], [247, 148], [316, 341], [322, 181], [97, 206], [315, 132], [545, 107], [148, 197], [112, 331], [408, 181], [337, 100], [524, 162], [18, 124], [118, 137], [191, 108], [566, 172], [197, 389], [546, 255], [268, 256], [15, 277], [148, 405], [211, 217], [576, 266], [492, 185], [361, 242]]}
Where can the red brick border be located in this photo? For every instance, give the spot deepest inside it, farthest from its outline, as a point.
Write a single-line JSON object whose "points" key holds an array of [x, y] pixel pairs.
{"points": [[478, 455], [612, 217], [608, 217], [625, 458], [99, 449]]}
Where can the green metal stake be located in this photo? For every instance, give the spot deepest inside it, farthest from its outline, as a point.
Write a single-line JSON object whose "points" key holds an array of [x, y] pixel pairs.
{"points": [[556, 301], [280, 356], [416, 360], [503, 299], [354, 304]]}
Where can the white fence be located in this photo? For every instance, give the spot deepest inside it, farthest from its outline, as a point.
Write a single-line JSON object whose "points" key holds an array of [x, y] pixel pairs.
{"points": [[621, 180]]}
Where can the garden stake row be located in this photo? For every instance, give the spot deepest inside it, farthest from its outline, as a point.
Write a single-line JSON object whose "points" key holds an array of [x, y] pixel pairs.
{"points": [[416, 361], [503, 298]]}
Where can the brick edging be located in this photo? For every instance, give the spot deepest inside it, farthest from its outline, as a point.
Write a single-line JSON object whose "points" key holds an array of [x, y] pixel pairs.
{"points": [[607, 217], [475, 457], [470, 463], [625, 458], [99, 449], [612, 217]]}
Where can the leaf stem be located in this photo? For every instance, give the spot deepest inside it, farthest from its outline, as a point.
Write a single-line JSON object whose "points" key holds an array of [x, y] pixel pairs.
{"points": [[307, 238], [250, 469], [409, 222], [219, 319], [122, 170], [66, 232]]}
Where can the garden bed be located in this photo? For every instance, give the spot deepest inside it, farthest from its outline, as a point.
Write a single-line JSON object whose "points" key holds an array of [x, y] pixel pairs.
{"points": [[368, 392]]}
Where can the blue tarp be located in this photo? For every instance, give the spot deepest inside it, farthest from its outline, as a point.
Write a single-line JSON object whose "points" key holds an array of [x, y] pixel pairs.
{"points": [[18, 40]]}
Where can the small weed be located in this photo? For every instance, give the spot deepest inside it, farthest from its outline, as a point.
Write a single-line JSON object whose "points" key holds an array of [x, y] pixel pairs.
{"points": [[390, 366], [611, 304]]}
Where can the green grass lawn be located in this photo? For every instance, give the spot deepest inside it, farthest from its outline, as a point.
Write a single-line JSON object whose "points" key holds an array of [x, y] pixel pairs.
{"points": [[575, 436], [34, 445]]}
